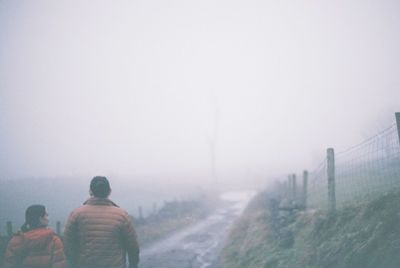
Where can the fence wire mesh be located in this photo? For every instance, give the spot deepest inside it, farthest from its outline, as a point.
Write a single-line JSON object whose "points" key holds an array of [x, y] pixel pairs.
{"points": [[369, 168], [362, 172], [318, 187]]}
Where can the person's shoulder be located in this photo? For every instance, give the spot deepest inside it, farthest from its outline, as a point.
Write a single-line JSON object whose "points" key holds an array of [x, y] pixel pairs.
{"points": [[120, 212], [76, 211], [16, 239]]}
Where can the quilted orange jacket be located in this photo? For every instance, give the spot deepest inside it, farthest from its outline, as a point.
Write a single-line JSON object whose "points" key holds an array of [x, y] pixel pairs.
{"points": [[39, 247], [99, 234]]}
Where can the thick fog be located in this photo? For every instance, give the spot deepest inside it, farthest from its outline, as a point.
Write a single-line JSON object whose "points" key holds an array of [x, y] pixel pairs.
{"points": [[191, 92]]}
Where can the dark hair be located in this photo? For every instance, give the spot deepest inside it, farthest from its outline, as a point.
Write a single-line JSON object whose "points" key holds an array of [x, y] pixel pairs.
{"points": [[100, 186], [32, 215]]}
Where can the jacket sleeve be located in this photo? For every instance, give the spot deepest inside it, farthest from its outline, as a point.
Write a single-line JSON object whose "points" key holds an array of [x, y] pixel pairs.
{"points": [[130, 241], [71, 245], [13, 252], [58, 257]]}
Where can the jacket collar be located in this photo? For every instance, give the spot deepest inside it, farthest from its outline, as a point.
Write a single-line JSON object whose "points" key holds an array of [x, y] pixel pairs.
{"points": [[98, 201]]}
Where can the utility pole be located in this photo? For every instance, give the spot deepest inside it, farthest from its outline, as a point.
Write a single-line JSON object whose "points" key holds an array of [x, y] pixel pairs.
{"points": [[212, 139]]}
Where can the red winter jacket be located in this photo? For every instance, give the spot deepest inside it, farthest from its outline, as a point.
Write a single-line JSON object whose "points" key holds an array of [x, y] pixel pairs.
{"points": [[39, 247]]}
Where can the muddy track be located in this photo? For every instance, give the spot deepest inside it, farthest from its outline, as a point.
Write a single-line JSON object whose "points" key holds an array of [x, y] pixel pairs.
{"points": [[197, 246]]}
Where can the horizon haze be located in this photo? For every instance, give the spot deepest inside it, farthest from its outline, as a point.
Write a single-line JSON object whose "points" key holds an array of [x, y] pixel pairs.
{"points": [[191, 92]]}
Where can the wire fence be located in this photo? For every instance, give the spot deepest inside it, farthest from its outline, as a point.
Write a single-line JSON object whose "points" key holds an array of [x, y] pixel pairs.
{"points": [[361, 172], [317, 195]]}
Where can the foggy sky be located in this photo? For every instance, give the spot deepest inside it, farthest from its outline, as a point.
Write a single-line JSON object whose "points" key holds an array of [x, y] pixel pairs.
{"points": [[140, 87]]}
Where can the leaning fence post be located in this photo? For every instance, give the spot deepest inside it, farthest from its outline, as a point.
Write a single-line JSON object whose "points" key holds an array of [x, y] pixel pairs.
{"points": [[331, 180], [58, 228], [9, 228], [305, 186], [398, 124]]}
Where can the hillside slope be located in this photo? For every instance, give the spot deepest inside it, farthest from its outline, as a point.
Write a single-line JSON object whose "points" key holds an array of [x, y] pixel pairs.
{"points": [[363, 235]]}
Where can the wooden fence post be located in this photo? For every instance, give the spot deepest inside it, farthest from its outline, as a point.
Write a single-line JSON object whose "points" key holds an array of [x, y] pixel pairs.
{"points": [[294, 193], [58, 228], [140, 212], [9, 228], [398, 124], [331, 180], [305, 188]]}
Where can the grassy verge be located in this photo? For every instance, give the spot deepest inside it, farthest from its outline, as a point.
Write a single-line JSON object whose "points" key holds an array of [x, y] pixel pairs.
{"points": [[364, 235]]}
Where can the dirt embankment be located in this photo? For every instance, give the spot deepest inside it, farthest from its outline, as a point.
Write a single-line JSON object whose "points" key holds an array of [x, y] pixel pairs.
{"points": [[362, 235]]}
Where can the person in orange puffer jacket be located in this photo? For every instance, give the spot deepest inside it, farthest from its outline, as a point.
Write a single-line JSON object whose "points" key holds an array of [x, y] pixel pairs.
{"points": [[99, 234], [36, 245]]}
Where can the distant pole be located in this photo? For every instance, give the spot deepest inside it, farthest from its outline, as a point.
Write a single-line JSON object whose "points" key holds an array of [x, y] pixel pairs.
{"points": [[290, 187], [294, 186], [212, 143], [140, 212], [398, 124], [58, 228], [305, 186], [9, 228], [212, 139], [331, 180]]}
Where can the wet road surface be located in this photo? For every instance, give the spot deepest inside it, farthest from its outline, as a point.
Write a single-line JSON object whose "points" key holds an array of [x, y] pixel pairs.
{"points": [[197, 246]]}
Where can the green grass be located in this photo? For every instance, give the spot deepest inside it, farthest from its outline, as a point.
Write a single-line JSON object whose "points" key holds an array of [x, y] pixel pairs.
{"points": [[359, 235]]}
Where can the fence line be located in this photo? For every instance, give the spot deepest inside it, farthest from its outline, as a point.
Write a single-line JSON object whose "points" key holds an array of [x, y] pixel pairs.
{"points": [[369, 169], [361, 172], [318, 189]]}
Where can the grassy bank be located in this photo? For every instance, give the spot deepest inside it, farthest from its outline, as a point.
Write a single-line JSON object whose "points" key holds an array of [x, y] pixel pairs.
{"points": [[363, 235]]}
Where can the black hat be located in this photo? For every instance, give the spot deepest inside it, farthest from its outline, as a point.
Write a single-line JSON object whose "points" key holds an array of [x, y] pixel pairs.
{"points": [[100, 186]]}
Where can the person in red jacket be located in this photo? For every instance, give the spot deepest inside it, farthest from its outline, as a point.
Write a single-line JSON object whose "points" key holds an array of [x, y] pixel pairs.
{"points": [[36, 245]]}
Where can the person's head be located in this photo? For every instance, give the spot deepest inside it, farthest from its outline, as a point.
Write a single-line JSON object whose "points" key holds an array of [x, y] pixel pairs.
{"points": [[35, 217], [100, 187]]}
